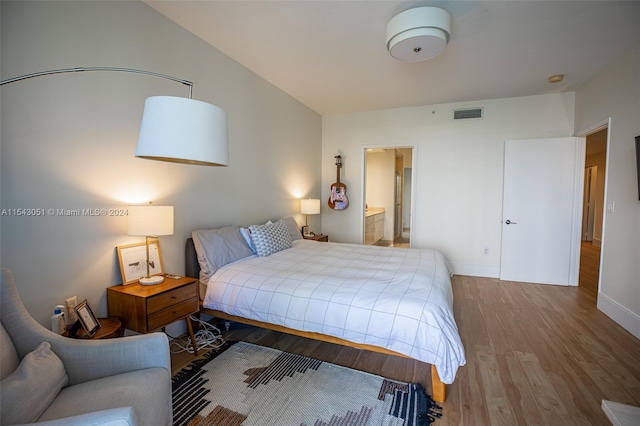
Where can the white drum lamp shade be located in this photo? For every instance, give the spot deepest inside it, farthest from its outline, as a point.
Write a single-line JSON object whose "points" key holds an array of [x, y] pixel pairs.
{"points": [[150, 221], [310, 206], [418, 34], [183, 130]]}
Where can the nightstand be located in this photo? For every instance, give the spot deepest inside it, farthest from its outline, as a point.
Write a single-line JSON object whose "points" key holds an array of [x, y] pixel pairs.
{"points": [[319, 237], [147, 308]]}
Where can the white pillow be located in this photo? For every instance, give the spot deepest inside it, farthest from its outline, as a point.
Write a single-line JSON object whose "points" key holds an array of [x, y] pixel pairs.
{"points": [[27, 392], [270, 238]]}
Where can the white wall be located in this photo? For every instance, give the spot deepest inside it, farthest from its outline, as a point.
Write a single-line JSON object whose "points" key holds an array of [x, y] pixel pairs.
{"points": [[458, 169], [68, 142], [615, 93]]}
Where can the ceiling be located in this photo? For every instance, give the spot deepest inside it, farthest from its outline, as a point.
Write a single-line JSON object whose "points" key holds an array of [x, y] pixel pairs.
{"points": [[331, 55]]}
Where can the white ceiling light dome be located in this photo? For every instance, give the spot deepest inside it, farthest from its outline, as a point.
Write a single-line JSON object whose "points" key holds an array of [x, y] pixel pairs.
{"points": [[418, 34]]}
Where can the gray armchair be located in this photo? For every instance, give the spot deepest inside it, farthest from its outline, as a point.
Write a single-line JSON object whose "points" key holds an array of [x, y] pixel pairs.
{"points": [[55, 380]]}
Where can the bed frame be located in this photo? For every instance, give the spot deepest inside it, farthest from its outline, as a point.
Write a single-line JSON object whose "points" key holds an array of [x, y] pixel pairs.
{"points": [[192, 269]]}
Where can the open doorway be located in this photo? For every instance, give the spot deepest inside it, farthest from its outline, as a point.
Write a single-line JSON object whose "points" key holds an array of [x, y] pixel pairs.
{"points": [[593, 210], [387, 196]]}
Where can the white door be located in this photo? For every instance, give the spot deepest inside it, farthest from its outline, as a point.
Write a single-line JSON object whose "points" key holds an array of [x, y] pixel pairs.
{"points": [[542, 207]]}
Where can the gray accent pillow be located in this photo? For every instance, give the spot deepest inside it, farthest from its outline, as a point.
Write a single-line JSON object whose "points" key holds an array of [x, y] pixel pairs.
{"points": [[27, 392], [218, 247], [293, 228], [270, 238]]}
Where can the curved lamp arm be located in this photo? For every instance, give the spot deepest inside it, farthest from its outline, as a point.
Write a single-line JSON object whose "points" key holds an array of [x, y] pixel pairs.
{"points": [[81, 69], [173, 129]]}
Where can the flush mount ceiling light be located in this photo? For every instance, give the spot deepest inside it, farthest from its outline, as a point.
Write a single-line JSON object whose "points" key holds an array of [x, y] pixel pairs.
{"points": [[556, 78], [418, 34]]}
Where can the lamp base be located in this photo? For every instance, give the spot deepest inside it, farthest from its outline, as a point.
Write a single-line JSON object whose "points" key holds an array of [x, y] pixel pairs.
{"points": [[156, 279]]}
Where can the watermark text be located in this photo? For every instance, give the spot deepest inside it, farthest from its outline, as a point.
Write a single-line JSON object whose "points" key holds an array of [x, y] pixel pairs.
{"points": [[63, 212]]}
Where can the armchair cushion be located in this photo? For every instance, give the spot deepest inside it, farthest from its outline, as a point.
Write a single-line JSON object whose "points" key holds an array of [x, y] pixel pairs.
{"points": [[9, 359], [140, 389], [124, 416], [27, 392]]}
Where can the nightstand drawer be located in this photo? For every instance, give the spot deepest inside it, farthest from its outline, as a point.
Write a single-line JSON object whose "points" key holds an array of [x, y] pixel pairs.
{"points": [[170, 298], [168, 315]]}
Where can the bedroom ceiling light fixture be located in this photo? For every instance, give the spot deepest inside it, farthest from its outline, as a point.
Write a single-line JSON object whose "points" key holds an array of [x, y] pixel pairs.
{"points": [[150, 222], [174, 129], [556, 78], [418, 34]]}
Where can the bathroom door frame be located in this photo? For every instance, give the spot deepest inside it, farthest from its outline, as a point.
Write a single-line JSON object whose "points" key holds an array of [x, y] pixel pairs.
{"points": [[363, 180]]}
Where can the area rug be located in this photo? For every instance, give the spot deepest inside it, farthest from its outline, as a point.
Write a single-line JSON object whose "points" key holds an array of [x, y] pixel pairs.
{"points": [[251, 385]]}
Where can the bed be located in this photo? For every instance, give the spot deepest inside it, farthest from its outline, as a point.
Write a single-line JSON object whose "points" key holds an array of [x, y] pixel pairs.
{"points": [[390, 300]]}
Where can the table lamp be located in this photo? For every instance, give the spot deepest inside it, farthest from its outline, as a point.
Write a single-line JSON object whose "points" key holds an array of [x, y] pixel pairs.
{"points": [[150, 222], [308, 206]]}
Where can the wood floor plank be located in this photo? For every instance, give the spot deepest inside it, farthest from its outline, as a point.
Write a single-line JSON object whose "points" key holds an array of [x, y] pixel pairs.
{"points": [[549, 401], [527, 410], [495, 394]]}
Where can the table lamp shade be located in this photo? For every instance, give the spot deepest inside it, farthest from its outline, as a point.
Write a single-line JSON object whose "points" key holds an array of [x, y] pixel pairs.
{"points": [[310, 206], [150, 220]]}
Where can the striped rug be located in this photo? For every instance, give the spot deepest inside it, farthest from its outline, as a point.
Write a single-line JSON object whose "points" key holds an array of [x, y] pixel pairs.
{"points": [[251, 385]]}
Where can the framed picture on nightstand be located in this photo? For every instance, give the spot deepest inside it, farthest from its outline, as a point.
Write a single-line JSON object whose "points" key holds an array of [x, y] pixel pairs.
{"points": [[87, 318], [133, 261]]}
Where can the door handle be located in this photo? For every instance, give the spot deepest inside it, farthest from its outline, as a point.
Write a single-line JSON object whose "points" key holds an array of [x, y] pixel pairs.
{"points": [[508, 222]]}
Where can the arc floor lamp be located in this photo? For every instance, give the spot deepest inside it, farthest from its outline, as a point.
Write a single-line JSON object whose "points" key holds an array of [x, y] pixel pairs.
{"points": [[175, 129]]}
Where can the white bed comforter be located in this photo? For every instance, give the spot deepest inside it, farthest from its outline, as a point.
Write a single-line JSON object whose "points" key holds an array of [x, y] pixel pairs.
{"points": [[399, 299]]}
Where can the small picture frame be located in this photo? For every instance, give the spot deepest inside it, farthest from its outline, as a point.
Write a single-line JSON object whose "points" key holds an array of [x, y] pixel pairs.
{"points": [[87, 318], [133, 261]]}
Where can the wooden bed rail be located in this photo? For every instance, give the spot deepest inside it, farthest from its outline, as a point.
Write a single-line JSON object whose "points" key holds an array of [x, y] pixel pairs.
{"points": [[439, 389]]}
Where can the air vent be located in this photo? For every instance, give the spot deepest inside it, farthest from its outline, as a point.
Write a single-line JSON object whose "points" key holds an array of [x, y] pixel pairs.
{"points": [[467, 114]]}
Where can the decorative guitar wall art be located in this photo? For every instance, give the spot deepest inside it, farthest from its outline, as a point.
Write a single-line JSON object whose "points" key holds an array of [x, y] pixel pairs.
{"points": [[338, 199]]}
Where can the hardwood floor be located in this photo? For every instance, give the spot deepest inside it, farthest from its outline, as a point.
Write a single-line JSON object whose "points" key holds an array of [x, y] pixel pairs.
{"points": [[398, 242], [536, 355], [589, 267]]}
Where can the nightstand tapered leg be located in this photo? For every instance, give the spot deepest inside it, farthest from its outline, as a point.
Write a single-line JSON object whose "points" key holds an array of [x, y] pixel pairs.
{"points": [[191, 335]]}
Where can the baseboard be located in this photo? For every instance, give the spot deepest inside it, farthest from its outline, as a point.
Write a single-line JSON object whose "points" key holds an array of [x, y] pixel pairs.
{"points": [[597, 242], [629, 320], [476, 270]]}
